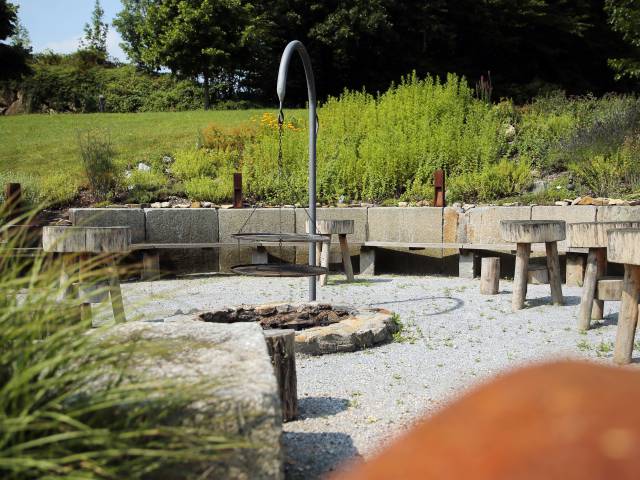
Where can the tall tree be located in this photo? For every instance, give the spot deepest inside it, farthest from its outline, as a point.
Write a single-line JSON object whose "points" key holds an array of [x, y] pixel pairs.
{"points": [[95, 32], [624, 16], [203, 39], [13, 55]]}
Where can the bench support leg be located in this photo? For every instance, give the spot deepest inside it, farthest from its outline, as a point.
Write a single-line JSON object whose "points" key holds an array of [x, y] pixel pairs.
{"points": [[115, 292], [150, 265], [553, 265], [575, 269], [597, 312], [628, 316], [83, 277], [346, 258], [466, 264], [588, 291], [324, 260], [259, 255], [367, 261]]}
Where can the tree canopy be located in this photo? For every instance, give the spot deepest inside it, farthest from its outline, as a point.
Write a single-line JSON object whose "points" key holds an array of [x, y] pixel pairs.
{"points": [[15, 54], [95, 33]]}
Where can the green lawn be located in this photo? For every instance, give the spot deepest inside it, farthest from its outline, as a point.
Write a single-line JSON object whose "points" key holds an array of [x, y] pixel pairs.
{"points": [[47, 144]]}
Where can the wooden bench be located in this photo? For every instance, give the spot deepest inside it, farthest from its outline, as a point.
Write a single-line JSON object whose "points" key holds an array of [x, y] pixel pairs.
{"points": [[469, 253]]}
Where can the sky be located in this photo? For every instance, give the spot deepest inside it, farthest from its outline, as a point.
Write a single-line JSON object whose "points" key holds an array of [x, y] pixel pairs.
{"points": [[58, 24]]}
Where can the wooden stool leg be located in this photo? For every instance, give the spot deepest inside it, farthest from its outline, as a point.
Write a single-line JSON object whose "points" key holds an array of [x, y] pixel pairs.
{"points": [[346, 258], [324, 261], [523, 250], [114, 291], [83, 276], [490, 276], [68, 271], [553, 264], [318, 253], [628, 316], [588, 290], [597, 312]]}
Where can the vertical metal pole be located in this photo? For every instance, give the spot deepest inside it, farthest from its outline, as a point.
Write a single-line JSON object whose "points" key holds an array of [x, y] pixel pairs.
{"points": [[311, 92]]}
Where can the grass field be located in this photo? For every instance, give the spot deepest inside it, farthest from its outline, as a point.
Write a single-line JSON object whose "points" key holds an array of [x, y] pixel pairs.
{"points": [[46, 144]]}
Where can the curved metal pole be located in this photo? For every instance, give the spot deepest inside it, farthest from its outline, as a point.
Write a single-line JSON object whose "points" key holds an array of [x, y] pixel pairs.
{"points": [[311, 92]]}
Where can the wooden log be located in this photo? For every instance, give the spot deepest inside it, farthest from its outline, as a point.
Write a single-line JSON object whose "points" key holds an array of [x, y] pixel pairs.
{"points": [[150, 264], [609, 288], [346, 257], [588, 291], [537, 274], [281, 347], [532, 231], [575, 269], [624, 246], [490, 276], [523, 251], [115, 292], [597, 312], [333, 227], [86, 239], [555, 280], [628, 316], [593, 234]]}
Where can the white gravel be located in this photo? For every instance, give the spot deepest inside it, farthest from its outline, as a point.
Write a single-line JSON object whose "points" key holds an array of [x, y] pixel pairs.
{"points": [[352, 403]]}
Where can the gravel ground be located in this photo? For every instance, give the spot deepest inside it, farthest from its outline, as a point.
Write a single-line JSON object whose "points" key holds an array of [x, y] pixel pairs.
{"points": [[352, 403]]}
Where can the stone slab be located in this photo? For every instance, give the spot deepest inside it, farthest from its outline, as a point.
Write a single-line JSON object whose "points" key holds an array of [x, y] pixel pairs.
{"points": [[410, 224], [243, 399], [262, 220], [483, 223], [134, 218], [184, 225], [618, 213]]}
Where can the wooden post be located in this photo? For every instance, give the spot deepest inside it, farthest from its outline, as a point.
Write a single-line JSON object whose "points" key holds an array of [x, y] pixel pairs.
{"points": [[523, 251], [588, 291], [12, 201], [346, 257], [438, 185], [553, 264], [237, 190], [597, 312], [490, 276], [324, 260], [281, 347], [628, 316], [83, 276]]}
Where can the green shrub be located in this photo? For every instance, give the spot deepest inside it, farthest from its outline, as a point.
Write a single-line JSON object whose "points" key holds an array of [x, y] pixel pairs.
{"points": [[145, 187], [97, 156], [217, 190], [49, 190], [193, 163], [492, 182]]}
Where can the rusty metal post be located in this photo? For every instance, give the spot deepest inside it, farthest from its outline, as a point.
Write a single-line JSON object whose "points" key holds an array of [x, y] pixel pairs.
{"points": [[12, 201], [438, 185], [237, 190]]}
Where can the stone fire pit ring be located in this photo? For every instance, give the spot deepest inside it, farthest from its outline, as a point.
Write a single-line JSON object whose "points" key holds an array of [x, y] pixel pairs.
{"points": [[321, 328]]}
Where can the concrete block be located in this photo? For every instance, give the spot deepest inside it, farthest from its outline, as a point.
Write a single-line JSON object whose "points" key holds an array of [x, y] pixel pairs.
{"points": [[262, 220], [573, 214], [184, 225], [467, 264], [411, 224], [133, 218], [483, 223], [618, 213], [367, 261], [359, 236]]}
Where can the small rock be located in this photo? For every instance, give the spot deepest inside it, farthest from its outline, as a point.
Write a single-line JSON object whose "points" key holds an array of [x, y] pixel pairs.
{"points": [[156, 205], [182, 205], [468, 206], [539, 186], [143, 167], [288, 206], [600, 201], [562, 203], [206, 204], [196, 205], [402, 204], [618, 201], [587, 200], [165, 204], [298, 205], [226, 206], [634, 202], [510, 132], [167, 159]]}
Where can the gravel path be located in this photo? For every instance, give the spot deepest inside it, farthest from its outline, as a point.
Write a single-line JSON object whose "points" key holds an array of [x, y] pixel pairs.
{"points": [[351, 404]]}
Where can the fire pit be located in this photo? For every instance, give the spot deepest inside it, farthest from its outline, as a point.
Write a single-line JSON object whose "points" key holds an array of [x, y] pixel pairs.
{"points": [[320, 327]]}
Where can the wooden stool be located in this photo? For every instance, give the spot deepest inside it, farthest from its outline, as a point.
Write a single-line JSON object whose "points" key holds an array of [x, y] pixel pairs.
{"points": [[624, 247], [89, 246], [342, 228], [596, 288], [490, 276], [524, 233]]}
